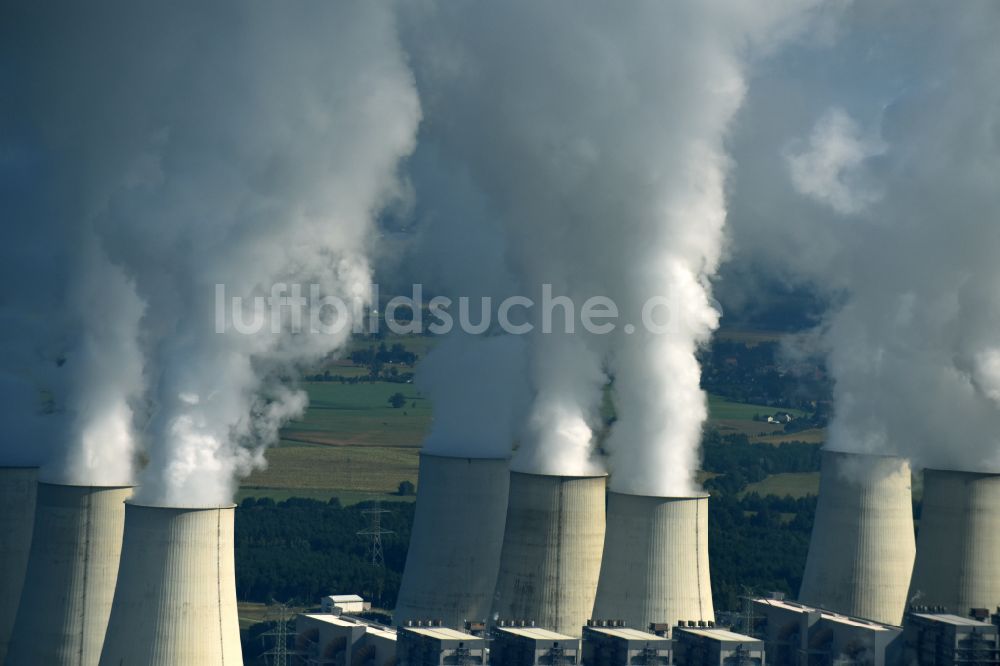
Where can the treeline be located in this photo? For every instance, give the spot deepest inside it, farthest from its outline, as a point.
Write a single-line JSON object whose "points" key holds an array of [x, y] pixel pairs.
{"points": [[301, 549], [740, 462]]}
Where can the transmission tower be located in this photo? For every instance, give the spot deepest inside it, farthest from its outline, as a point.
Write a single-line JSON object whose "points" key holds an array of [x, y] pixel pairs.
{"points": [[375, 531], [278, 654]]}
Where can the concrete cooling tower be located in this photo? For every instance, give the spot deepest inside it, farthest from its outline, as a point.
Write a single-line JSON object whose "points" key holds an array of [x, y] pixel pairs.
{"points": [[71, 575], [454, 555], [17, 515], [552, 547], [655, 566], [958, 549], [862, 548], [176, 596]]}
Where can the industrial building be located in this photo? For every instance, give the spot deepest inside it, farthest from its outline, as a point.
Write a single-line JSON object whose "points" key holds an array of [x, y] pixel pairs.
{"points": [[339, 604], [438, 646], [958, 549], [552, 548], [862, 548], [607, 644], [17, 516], [710, 646], [942, 639], [655, 567], [454, 555], [799, 635], [532, 646], [176, 596], [333, 640], [71, 574]]}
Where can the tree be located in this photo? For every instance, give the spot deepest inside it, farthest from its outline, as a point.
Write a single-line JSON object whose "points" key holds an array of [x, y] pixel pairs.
{"points": [[406, 488], [397, 400]]}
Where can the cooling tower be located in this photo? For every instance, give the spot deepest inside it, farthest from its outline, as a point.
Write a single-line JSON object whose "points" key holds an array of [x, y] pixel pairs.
{"points": [[176, 596], [454, 555], [552, 548], [17, 513], [958, 550], [71, 575], [862, 548], [655, 566]]}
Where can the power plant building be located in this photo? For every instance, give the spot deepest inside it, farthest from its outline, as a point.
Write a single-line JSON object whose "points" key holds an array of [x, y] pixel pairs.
{"points": [[333, 640], [552, 548], [655, 568], [862, 548], [958, 550], [704, 646], [799, 635], [71, 574], [607, 644], [454, 555], [943, 639], [532, 646], [438, 646], [176, 596], [17, 517]]}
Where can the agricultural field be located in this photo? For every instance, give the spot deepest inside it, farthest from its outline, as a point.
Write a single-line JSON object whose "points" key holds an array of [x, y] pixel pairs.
{"points": [[353, 445], [359, 414], [794, 484]]}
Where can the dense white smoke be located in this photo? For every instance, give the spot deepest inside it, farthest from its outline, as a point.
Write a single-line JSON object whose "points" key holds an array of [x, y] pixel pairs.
{"points": [[871, 164], [594, 133], [480, 392], [236, 144], [70, 365]]}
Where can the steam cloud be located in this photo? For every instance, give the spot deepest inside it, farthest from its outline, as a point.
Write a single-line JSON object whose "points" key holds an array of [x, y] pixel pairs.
{"points": [[241, 144], [592, 136], [874, 159]]}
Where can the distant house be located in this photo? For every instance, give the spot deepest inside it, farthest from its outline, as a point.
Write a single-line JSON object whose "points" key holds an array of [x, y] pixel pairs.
{"points": [[780, 417]]}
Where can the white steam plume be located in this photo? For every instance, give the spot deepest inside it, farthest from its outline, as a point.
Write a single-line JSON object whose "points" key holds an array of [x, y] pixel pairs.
{"points": [[242, 144], [70, 366], [594, 133], [479, 389], [875, 159]]}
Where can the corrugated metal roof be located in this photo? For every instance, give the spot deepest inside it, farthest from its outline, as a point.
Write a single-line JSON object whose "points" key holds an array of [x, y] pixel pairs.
{"points": [[826, 615], [720, 634], [628, 633], [537, 633], [330, 619], [443, 633], [957, 620]]}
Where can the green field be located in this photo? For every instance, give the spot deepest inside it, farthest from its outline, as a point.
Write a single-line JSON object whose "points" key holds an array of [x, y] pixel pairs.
{"points": [[351, 444], [720, 408], [351, 473], [796, 484], [360, 415]]}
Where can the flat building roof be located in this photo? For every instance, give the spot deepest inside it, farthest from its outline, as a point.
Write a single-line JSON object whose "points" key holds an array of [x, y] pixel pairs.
{"points": [[957, 620], [720, 634], [628, 633], [536, 633], [443, 633], [827, 615]]}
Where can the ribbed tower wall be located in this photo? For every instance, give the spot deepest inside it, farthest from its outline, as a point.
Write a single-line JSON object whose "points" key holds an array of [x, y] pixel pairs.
{"points": [[176, 596], [862, 548], [454, 554], [17, 517], [655, 566], [958, 549], [552, 548], [70, 580]]}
